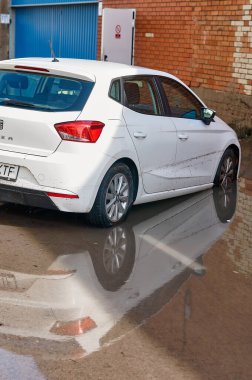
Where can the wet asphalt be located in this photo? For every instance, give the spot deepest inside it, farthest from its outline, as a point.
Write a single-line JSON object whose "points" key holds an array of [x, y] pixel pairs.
{"points": [[165, 295]]}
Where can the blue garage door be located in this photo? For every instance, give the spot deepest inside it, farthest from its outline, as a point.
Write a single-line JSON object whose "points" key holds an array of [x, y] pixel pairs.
{"points": [[71, 28]]}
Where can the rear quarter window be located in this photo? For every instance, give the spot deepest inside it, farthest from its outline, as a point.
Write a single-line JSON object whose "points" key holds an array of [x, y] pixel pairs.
{"points": [[115, 90]]}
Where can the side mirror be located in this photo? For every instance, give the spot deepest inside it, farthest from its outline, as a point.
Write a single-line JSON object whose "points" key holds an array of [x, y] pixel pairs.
{"points": [[207, 115]]}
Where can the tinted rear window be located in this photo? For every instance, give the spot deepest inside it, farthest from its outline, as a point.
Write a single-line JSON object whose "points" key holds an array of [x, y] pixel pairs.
{"points": [[43, 92]]}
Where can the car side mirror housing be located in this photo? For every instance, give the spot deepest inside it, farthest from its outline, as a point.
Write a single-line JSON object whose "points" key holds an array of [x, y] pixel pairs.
{"points": [[207, 115]]}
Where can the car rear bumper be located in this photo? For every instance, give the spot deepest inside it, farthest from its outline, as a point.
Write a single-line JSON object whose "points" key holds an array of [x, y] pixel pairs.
{"points": [[71, 174], [28, 197], [74, 169], [43, 199]]}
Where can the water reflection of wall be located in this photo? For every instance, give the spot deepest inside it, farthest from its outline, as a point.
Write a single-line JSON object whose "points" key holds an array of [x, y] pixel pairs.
{"points": [[239, 236]]}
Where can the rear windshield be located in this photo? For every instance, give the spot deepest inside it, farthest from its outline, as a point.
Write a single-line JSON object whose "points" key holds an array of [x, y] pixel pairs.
{"points": [[43, 92]]}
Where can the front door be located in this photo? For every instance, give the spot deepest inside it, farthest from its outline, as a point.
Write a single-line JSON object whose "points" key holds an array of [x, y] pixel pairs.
{"points": [[197, 145]]}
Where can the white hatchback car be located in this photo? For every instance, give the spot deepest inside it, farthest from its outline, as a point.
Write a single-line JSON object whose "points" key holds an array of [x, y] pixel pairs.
{"points": [[95, 137]]}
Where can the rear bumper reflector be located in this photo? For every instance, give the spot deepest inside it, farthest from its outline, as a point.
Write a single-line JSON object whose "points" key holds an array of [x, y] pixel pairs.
{"points": [[59, 195]]}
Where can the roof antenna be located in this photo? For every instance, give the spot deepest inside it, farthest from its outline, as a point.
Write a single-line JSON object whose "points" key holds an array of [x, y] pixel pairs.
{"points": [[52, 52]]}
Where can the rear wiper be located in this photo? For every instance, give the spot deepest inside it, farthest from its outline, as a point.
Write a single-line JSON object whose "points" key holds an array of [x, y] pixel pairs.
{"points": [[18, 103]]}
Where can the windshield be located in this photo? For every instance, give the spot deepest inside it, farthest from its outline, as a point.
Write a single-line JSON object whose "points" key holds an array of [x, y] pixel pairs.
{"points": [[43, 92]]}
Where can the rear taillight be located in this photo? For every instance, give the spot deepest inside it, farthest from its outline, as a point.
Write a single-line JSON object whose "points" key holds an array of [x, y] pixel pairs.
{"points": [[81, 131], [73, 328]]}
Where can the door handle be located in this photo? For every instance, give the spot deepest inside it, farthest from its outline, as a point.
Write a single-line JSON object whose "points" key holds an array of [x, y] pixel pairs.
{"points": [[183, 137], [139, 135]]}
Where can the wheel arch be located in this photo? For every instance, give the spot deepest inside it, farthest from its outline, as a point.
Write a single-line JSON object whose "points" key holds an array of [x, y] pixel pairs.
{"points": [[97, 215], [237, 153], [133, 168], [235, 149]]}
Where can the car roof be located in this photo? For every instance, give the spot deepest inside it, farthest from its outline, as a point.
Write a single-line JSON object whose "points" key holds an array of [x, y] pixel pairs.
{"points": [[80, 67]]}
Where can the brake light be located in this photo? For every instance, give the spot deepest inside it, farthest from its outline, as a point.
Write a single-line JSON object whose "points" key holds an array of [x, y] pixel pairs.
{"points": [[81, 131], [32, 68]]}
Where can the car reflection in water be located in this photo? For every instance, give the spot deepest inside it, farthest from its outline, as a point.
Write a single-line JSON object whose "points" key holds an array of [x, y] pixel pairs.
{"points": [[125, 273]]}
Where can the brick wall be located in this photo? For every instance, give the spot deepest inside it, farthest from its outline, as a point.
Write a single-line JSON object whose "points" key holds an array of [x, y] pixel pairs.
{"points": [[4, 31], [207, 43]]}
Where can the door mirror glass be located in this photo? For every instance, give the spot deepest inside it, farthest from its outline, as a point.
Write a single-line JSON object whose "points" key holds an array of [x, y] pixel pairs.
{"points": [[207, 115]]}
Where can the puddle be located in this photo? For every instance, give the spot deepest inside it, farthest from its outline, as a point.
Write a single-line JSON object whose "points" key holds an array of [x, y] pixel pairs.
{"points": [[68, 290], [98, 277]]}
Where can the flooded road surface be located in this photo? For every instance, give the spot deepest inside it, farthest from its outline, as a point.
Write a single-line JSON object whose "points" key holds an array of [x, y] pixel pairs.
{"points": [[165, 295]]}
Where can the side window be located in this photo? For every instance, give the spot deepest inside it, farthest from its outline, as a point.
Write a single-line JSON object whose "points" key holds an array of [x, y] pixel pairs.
{"points": [[180, 101], [140, 95]]}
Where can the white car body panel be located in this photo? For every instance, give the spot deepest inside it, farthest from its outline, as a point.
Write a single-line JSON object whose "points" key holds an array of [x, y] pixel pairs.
{"points": [[199, 164], [147, 132], [30, 133]]}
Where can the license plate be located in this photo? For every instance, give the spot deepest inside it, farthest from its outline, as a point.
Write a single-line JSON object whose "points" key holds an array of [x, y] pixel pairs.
{"points": [[8, 172]]}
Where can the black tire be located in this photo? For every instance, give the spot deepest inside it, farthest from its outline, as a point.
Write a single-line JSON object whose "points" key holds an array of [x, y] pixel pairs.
{"points": [[227, 169], [225, 200], [105, 215]]}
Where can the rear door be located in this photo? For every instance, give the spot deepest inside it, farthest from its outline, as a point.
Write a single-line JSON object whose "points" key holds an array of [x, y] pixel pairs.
{"points": [[30, 105], [153, 135]]}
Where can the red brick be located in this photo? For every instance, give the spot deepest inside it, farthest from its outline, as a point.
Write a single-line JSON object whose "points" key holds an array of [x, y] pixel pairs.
{"points": [[193, 39]]}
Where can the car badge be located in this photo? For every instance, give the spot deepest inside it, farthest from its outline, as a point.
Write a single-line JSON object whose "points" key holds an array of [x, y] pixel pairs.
{"points": [[1, 125]]}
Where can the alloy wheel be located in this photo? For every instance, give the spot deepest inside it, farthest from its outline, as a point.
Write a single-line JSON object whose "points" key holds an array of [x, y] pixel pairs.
{"points": [[115, 250], [117, 197], [227, 172]]}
